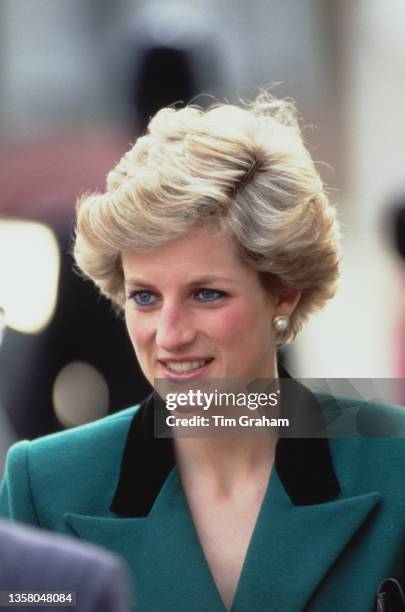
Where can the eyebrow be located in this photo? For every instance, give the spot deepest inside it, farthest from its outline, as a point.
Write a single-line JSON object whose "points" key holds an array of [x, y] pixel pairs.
{"points": [[202, 280]]}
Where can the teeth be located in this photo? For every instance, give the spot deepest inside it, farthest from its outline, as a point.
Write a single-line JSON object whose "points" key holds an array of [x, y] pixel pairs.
{"points": [[185, 366]]}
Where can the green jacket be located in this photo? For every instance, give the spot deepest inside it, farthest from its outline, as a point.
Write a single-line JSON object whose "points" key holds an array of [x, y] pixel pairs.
{"points": [[330, 529]]}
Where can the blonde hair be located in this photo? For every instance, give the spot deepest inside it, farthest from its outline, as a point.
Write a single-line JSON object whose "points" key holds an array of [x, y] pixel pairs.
{"points": [[244, 168]]}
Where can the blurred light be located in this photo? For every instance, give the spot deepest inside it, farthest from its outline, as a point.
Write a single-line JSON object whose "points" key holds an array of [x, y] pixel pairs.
{"points": [[29, 273], [80, 394]]}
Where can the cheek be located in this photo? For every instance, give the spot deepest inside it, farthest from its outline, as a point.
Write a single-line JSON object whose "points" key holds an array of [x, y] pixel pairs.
{"points": [[245, 327], [137, 330], [230, 324]]}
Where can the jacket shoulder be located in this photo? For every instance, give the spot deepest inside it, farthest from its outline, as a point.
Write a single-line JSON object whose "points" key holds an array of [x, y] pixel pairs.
{"points": [[87, 449], [359, 418], [367, 443], [70, 471], [91, 434]]}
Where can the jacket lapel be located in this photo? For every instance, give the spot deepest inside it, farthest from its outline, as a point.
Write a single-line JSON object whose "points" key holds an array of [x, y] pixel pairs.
{"points": [[293, 547], [163, 551]]}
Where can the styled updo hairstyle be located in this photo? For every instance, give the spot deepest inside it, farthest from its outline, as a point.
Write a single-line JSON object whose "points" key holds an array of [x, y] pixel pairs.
{"points": [[246, 170]]}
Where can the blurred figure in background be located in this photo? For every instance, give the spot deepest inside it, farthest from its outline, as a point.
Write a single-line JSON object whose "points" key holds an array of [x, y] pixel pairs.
{"points": [[399, 227], [396, 225], [170, 53], [32, 561]]}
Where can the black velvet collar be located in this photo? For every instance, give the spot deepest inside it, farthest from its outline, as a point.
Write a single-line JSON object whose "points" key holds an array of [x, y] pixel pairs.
{"points": [[304, 465]]}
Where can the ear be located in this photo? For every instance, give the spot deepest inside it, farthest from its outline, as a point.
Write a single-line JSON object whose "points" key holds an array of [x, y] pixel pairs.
{"points": [[287, 303]]}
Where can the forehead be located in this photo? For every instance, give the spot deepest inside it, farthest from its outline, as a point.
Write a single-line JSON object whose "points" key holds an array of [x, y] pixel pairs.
{"points": [[202, 251]]}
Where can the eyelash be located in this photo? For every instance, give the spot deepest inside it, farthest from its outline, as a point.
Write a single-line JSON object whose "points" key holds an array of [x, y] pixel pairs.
{"points": [[132, 296]]}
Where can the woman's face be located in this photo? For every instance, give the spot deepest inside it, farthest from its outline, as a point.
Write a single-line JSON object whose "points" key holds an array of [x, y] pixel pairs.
{"points": [[195, 310]]}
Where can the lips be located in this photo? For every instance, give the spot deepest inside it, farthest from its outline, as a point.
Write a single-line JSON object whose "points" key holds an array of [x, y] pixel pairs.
{"points": [[185, 368]]}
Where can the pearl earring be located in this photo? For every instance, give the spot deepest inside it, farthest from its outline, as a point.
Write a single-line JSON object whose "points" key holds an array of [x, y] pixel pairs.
{"points": [[281, 323]]}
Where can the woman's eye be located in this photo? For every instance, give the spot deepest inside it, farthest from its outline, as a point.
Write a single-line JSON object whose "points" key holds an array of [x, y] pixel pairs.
{"points": [[142, 298], [210, 295]]}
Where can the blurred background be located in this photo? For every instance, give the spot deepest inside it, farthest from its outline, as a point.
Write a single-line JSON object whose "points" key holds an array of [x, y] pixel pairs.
{"points": [[78, 81]]}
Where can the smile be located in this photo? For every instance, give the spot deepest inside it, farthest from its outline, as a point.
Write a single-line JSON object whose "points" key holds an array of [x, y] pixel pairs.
{"points": [[185, 368]]}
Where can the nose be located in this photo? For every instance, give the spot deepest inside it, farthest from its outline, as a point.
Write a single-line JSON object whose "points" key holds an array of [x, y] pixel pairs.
{"points": [[174, 328]]}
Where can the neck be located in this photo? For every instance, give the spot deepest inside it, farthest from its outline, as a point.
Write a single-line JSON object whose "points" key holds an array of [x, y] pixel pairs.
{"points": [[224, 462]]}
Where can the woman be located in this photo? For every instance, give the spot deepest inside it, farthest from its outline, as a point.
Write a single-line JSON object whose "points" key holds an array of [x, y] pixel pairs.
{"points": [[216, 239]]}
